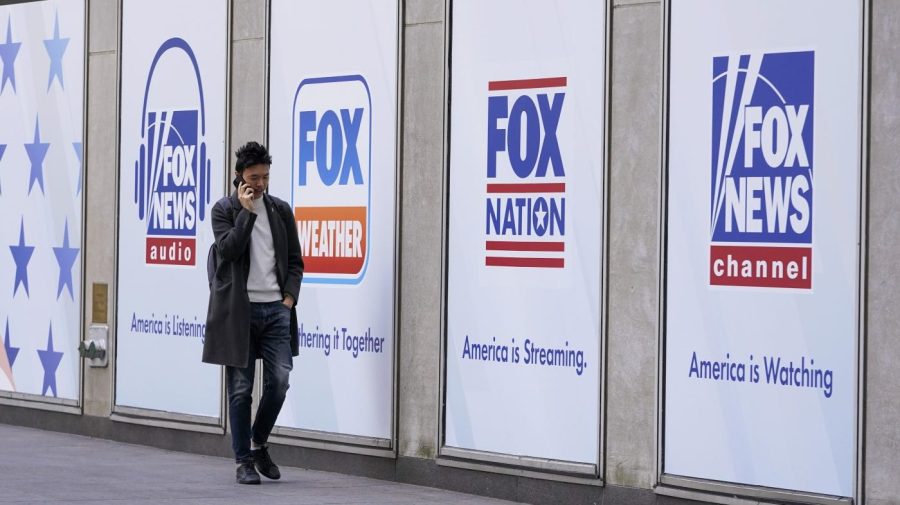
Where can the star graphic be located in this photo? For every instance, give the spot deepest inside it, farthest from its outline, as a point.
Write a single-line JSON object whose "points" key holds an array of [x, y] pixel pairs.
{"points": [[65, 256], [539, 220], [50, 361], [37, 150], [2, 150], [11, 351], [8, 52], [55, 49], [21, 255], [78, 152]]}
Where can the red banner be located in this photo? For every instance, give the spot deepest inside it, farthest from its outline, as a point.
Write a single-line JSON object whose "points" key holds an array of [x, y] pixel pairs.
{"points": [[766, 267]]}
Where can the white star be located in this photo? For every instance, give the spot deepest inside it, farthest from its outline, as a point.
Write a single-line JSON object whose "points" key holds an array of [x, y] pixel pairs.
{"points": [[540, 223]]}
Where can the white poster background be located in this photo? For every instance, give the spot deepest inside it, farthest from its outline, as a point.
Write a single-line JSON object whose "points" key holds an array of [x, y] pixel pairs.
{"points": [[45, 212], [762, 434], [164, 371], [340, 393], [530, 410]]}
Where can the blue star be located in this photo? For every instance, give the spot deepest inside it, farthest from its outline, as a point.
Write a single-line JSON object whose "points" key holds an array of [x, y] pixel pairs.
{"points": [[2, 150], [50, 361], [78, 152], [37, 150], [11, 351], [55, 49], [21, 255], [8, 52], [65, 256]]}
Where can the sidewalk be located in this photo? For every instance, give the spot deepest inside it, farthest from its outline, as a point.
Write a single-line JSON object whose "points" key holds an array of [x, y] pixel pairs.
{"points": [[42, 467]]}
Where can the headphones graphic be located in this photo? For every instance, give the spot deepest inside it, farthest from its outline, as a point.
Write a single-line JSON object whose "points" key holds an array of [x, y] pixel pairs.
{"points": [[141, 184]]}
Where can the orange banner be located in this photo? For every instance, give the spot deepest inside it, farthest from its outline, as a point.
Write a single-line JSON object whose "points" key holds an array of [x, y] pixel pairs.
{"points": [[333, 239]]}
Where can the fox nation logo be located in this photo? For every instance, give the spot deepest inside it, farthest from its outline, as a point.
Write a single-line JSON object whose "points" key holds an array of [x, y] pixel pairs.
{"points": [[761, 203], [525, 214], [172, 171], [331, 191]]}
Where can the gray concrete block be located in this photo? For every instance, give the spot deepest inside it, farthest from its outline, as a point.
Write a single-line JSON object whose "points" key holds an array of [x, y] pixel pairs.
{"points": [[248, 106], [424, 11], [468, 481], [633, 246], [882, 465], [424, 472], [101, 160], [100, 190], [548, 491], [614, 495], [103, 25], [420, 247], [248, 19]]}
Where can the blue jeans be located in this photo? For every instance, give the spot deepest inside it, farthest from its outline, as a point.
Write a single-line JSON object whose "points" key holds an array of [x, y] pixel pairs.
{"points": [[270, 339]]}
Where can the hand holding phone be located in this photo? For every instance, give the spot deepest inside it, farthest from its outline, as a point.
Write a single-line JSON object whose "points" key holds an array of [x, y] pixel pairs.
{"points": [[244, 192]]}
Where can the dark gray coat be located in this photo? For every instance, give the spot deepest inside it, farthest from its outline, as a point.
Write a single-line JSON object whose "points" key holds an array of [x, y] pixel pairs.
{"points": [[228, 317]]}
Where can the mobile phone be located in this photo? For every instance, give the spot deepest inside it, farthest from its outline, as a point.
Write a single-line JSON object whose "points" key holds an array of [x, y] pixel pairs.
{"points": [[238, 180]]}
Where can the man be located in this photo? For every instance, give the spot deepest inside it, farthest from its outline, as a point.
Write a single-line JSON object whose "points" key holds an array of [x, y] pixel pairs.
{"points": [[252, 306]]}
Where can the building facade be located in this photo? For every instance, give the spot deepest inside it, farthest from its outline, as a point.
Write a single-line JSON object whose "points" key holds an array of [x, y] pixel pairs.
{"points": [[557, 251]]}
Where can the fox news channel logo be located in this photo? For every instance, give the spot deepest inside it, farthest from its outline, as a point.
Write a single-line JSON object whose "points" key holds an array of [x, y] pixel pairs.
{"points": [[525, 211], [331, 191], [172, 170], [761, 202]]}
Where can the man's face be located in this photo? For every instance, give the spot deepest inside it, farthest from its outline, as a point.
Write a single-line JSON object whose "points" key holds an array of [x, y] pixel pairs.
{"points": [[257, 177]]}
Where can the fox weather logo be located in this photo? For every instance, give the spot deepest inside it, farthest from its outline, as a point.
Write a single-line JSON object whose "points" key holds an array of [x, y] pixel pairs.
{"points": [[761, 205], [172, 171], [332, 172]]}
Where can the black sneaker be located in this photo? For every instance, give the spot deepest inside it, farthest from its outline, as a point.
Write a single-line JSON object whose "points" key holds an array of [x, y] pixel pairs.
{"points": [[264, 463], [246, 474]]}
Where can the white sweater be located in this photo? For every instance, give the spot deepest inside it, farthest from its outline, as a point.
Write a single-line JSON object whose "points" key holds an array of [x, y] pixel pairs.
{"points": [[262, 284]]}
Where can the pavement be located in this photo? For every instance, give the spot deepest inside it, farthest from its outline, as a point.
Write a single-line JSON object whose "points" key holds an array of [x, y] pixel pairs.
{"points": [[43, 467]]}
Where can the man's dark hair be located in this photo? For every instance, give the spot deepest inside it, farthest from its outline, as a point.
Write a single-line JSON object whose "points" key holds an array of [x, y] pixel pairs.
{"points": [[251, 153]]}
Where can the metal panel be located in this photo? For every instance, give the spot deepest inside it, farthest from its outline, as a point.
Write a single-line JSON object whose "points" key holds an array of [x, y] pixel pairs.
{"points": [[366, 446], [519, 465], [727, 492], [369, 446], [540, 464], [38, 401], [691, 486], [470, 464], [866, 79], [148, 417], [169, 420]]}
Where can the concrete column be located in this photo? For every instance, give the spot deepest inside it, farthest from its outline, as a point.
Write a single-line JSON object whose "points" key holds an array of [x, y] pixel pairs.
{"points": [[422, 203], [248, 78], [634, 198], [882, 403], [101, 185]]}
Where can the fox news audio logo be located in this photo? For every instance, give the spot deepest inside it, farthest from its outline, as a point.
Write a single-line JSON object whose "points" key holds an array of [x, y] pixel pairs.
{"points": [[525, 212], [172, 171], [331, 191], [762, 170]]}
